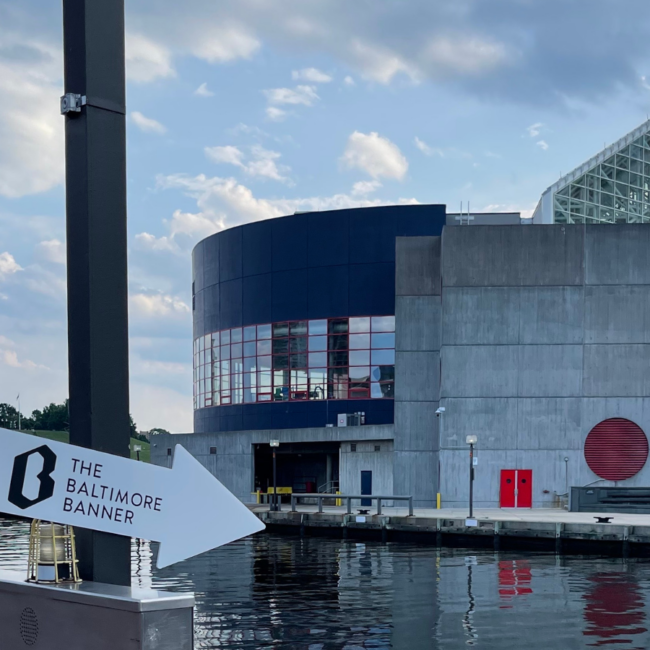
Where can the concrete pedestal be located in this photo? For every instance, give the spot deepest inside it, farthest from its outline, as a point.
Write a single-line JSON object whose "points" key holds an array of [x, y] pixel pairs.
{"points": [[92, 615]]}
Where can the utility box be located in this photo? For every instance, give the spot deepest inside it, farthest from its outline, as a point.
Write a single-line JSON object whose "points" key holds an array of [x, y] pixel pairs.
{"points": [[92, 615], [342, 420]]}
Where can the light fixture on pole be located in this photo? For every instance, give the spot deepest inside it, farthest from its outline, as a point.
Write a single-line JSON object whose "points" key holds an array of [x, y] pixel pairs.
{"points": [[471, 440], [274, 504]]}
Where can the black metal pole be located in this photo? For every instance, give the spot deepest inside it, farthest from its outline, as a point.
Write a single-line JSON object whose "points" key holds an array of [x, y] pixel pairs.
{"points": [[94, 108], [275, 487], [471, 481]]}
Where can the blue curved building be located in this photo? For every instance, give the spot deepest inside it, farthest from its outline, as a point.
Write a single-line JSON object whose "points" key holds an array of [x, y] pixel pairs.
{"points": [[294, 318]]}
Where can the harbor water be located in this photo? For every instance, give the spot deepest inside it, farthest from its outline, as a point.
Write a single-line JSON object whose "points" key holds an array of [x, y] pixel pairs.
{"points": [[293, 593]]}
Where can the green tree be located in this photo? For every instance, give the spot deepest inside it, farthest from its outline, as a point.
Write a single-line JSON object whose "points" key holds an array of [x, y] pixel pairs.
{"points": [[133, 426], [8, 416], [52, 418], [156, 431]]}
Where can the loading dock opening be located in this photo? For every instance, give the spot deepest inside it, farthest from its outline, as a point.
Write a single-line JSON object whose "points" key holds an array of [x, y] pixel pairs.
{"points": [[302, 468]]}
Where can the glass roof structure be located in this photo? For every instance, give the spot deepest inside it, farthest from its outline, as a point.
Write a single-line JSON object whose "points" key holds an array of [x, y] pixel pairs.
{"points": [[611, 187]]}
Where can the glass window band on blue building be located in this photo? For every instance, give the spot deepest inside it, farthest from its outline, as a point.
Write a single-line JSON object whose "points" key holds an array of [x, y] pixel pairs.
{"points": [[323, 359]]}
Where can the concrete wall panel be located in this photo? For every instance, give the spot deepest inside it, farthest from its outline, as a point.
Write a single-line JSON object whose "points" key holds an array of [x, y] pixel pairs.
{"points": [[548, 467], [454, 476], [616, 370], [493, 256], [417, 426], [550, 371], [493, 420], [417, 376], [549, 423], [617, 255], [480, 316], [416, 474], [417, 322], [417, 266], [617, 314], [365, 458], [480, 371], [551, 315]]}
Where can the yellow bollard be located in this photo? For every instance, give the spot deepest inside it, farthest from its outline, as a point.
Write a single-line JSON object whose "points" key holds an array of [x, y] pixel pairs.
{"points": [[339, 501], [438, 500]]}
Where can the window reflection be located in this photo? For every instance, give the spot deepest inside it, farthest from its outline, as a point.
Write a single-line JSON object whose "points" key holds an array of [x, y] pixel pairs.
{"points": [[317, 343], [263, 332], [359, 325], [317, 327], [339, 358]]}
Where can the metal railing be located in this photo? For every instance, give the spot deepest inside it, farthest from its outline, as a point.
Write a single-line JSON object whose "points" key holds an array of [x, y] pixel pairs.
{"points": [[348, 498], [328, 488]]}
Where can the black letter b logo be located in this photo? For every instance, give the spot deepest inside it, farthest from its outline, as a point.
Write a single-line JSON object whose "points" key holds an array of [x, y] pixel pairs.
{"points": [[46, 489]]}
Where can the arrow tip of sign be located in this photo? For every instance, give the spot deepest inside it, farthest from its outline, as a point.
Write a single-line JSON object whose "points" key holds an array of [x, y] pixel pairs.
{"points": [[213, 515]]}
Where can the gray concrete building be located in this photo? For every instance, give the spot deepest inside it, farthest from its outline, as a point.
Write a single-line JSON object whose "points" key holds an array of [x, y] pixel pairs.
{"points": [[535, 339]]}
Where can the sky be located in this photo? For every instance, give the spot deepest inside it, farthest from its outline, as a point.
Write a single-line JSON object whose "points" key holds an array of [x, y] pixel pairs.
{"points": [[250, 109]]}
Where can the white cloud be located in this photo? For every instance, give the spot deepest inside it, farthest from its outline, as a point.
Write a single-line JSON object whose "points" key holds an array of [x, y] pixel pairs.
{"points": [[248, 130], [375, 155], [362, 188], [452, 55], [312, 75], [275, 114], [542, 144], [349, 81], [31, 129], [202, 91], [8, 265], [156, 305], [159, 406], [305, 95], [10, 358], [534, 129], [147, 241], [52, 250], [381, 64], [262, 162], [228, 154], [49, 283], [224, 203], [147, 60], [147, 124], [427, 150], [219, 44]]}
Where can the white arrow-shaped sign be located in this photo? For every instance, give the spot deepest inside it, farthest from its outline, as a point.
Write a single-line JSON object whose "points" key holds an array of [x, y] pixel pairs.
{"points": [[186, 509]]}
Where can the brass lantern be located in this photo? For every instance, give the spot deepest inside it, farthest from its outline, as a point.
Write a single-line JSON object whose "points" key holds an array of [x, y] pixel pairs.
{"points": [[52, 553]]}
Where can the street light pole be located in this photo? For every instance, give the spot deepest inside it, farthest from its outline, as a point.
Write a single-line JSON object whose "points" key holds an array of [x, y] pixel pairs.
{"points": [[274, 505], [471, 441], [471, 481]]}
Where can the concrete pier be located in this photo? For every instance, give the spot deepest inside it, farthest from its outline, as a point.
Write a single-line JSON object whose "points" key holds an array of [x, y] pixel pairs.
{"points": [[550, 529]]}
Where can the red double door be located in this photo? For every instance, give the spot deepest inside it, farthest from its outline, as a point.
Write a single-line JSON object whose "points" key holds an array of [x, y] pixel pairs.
{"points": [[516, 488]]}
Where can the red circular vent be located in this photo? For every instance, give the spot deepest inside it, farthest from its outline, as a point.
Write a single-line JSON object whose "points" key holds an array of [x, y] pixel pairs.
{"points": [[616, 449]]}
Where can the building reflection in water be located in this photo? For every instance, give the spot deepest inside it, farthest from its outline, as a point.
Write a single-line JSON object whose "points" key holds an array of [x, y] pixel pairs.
{"points": [[515, 579], [614, 610], [274, 592]]}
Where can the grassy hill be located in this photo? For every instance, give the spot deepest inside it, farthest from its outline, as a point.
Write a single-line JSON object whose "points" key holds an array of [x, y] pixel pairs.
{"points": [[64, 436]]}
